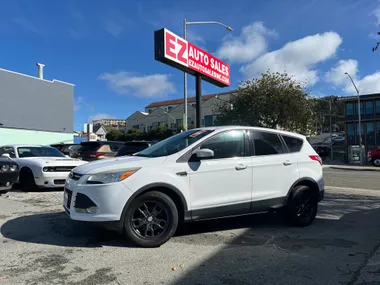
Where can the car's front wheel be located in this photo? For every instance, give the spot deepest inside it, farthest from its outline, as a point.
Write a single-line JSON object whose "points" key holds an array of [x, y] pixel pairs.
{"points": [[151, 219], [302, 206], [27, 182], [376, 161]]}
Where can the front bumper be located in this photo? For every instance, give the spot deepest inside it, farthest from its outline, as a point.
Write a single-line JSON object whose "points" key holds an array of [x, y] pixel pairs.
{"points": [[51, 179], [95, 203]]}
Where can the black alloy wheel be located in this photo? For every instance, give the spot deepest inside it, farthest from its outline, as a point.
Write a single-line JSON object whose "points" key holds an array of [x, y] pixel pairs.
{"points": [[302, 206], [151, 219]]}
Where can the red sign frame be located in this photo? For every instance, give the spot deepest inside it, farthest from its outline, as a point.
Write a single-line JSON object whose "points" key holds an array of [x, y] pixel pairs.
{"points": [[183, 55]]}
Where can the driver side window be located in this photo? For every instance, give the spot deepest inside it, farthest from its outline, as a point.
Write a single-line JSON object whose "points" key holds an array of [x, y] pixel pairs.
{"points": [[227, 144]]}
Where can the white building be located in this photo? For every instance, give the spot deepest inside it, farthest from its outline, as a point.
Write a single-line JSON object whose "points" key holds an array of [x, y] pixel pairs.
{"points": [[170, 113]]}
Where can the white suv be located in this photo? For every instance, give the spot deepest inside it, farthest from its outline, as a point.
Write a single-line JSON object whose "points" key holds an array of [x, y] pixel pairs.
{"points": [[198, 174]]}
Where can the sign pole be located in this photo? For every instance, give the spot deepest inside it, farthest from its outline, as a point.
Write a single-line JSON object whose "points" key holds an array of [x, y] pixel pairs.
{"points": [[198, 99]]}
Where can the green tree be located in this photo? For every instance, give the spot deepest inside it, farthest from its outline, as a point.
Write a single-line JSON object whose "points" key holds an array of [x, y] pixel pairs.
{"points": [[274, 99], [115, 135], [134, 134], [160, 133]]}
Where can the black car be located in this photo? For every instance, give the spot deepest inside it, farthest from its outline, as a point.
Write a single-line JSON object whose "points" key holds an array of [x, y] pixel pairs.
{"points": [[66, 149], [132, 147], [8, 174], [95, 150]]}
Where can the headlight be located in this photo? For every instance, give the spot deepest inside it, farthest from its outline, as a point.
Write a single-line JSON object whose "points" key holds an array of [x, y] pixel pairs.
{"points": [[110, 177], [48, 169], [4, 168], [13, 167]]}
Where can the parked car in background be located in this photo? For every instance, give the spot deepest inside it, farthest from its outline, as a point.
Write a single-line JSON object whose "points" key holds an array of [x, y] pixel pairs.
{"points": [[66, 149], [40, 166], [90, 151], [8, 173], [132, 147], [373, 157], [199, 174]]}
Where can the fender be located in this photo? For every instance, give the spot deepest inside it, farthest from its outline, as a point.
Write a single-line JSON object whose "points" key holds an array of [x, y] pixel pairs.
{"points": [[153, 186], [308, 180]]}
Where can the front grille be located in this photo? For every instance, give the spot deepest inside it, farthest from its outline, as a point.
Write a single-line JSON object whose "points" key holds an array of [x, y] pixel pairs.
{"points": [[75, 176], [69, 197], [63, 168], [59, 181]]}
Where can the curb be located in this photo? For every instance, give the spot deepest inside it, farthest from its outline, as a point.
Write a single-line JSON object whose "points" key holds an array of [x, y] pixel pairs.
{"points": [[352, 168]]}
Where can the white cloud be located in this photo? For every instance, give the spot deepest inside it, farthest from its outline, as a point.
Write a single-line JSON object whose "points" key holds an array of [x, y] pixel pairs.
{"points": [[250, 44], [146, 86], [194, 38], [337, 75], [297, 58], [376, 13], [100, 116], [115, 23], [80, 102]]}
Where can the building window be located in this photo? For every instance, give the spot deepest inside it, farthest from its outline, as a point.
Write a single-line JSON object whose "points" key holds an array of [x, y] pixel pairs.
{"points": [[361, 108], [369, 108], [350, 129], [179, 123], [377, 107], [209, 120], [370, 133], [349, 109], [136, 127]]}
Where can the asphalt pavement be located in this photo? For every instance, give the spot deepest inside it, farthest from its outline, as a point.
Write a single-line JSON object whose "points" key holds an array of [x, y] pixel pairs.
{"points": [[352, 178], [39, 244]]}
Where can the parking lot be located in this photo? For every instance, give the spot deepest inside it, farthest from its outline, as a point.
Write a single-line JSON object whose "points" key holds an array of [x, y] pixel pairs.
{"points": [[40, 245]]}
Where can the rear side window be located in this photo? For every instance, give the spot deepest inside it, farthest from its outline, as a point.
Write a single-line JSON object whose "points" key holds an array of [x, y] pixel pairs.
{"points": [[115, 146], [266, 143], [293, 144]]}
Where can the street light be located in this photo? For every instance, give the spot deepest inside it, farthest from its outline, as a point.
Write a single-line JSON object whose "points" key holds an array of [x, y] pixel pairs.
{"points": [[198, 108], [359, 115]]}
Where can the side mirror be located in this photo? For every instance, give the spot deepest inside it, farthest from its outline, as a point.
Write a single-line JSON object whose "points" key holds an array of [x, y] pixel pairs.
{"points": [[6, 155], [204, 153]]}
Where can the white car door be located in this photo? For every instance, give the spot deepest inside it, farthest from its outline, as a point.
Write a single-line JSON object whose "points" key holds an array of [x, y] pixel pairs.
{"points": [[222, 185], [274, 169]]}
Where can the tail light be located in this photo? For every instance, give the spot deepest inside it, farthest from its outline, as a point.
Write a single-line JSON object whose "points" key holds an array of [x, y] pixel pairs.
{"points": [[369, 154], [316, 158], [94, 154]]}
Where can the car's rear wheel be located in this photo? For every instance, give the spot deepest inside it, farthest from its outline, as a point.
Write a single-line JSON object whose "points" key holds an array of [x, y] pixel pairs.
{"points": [[27, 182], [376, 161], [151, 219], [302, 206]]}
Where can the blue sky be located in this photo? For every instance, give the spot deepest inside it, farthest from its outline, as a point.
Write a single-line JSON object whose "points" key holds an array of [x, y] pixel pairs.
{"points": [[106, 48]]}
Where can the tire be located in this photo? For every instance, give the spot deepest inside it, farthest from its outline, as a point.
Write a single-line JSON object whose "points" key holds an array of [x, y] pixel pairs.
{"points": [[3, 192], [302, 196], [376, 161], [27, 182], [151, 219]]}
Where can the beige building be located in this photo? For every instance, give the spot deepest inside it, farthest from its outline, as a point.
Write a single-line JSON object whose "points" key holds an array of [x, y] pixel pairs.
{"points": [[118, 124], [170, 113]]}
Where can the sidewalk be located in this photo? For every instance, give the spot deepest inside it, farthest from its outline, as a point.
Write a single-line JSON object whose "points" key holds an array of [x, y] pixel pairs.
{"points": [[347, 166]]}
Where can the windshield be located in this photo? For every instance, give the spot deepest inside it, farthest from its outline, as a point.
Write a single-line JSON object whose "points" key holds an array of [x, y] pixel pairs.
{"points": [[174, 144], [38, 152]]}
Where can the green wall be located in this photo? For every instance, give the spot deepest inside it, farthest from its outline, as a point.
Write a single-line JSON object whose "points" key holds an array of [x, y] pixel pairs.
{"points": [[17, 136]]}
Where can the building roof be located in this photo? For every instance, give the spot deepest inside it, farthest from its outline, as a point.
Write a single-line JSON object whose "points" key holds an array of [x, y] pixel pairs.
{"points": [[355, 98], [189, 100]]}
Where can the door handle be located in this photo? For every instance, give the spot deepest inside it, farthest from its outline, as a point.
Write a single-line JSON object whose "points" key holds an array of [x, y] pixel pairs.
{"points": [[287, 162], [240, 167]]}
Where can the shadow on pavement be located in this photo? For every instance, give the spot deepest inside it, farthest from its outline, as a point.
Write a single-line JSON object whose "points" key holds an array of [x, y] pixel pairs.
{"points": [[330, 251]]}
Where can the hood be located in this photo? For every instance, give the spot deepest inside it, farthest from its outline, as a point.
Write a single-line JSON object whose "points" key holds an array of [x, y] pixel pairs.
{"points": [[115, 164], [54, 161]]}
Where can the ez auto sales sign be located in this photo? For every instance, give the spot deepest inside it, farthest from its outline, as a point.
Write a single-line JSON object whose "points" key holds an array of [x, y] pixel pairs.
{"points": [[179, 53]]}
